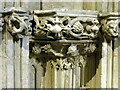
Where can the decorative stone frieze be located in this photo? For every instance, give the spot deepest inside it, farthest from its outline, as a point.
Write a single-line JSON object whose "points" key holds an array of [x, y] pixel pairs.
{"points": [[56, 25], [16, 22]]}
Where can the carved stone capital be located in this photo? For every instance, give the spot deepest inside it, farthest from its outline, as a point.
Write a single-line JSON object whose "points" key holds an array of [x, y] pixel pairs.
{"points": [[16, 22], [65, 38]]}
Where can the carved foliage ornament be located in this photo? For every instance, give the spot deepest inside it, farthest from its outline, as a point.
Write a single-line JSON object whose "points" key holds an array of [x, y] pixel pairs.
{"points": [[64, 56], [70, 29], [58, 24], [65, 27], [54, 25]]}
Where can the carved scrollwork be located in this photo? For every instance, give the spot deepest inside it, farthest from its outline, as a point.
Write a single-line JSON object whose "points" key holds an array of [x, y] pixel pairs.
{"points": [[86, 28], [66, 40], [65, 27], [60, 37], [92, 27], [47, 49]]}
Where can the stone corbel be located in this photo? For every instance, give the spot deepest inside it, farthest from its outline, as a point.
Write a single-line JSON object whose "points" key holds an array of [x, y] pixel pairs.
{"points": [[110, 25], [16, 21]]}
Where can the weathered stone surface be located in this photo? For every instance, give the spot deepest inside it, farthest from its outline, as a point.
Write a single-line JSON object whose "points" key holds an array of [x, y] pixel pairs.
{"points": [[110, 25], [17, 22], [62, 48], [15, 49], [65, 40]]}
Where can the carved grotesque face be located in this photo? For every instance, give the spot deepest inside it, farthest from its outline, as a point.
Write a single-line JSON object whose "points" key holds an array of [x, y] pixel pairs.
{"points": [[110, 28], [92, 27], [53, 27], [72, 50], [18, 24]]}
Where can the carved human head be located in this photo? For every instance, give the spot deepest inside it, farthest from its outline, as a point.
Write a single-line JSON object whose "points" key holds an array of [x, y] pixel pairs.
{"points": [[109, 27]]}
